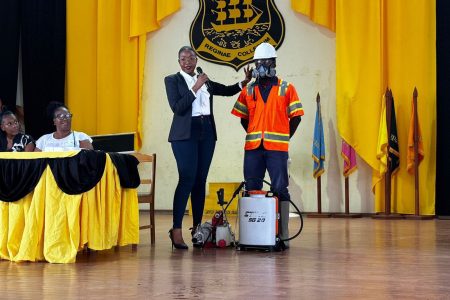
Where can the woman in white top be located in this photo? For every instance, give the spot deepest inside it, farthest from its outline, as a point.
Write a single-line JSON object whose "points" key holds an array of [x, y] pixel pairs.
{"points": [[63, 139]]}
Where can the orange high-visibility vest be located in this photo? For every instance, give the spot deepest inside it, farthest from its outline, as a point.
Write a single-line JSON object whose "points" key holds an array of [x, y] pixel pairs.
{"points": [[268, 122]]}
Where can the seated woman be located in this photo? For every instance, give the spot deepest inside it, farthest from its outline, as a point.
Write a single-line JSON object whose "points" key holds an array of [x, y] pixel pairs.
{"points": [[63, 139], [10, 137]]}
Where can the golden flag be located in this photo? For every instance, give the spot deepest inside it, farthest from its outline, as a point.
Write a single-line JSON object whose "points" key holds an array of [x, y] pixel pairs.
{"points": [[382, 143]]}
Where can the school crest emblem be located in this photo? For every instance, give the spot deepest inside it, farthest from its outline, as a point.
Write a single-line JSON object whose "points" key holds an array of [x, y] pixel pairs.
{"points": [[228, 31]]}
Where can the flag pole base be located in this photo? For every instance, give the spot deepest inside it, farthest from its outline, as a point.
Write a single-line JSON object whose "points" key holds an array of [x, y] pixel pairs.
{"points": [[418, 217], [318, 215], [384, 216], [349, 215]]}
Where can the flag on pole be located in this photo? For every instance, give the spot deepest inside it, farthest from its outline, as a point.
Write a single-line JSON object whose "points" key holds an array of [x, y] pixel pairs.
{"points": [[349, 156], [318, 148], [394, 151], [384, 141], [410, 154]]}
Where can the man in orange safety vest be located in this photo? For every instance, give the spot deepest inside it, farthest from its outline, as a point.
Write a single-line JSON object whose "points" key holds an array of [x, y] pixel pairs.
{"points": [[270, 112]]}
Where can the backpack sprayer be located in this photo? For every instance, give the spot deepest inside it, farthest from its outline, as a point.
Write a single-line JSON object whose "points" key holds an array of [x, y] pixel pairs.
{"points": [[259, 223]]}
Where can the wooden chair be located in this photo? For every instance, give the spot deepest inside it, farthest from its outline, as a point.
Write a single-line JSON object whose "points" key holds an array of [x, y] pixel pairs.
{"points": [[148, 196]]}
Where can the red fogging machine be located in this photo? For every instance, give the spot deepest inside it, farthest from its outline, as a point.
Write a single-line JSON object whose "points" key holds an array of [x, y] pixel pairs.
{"points": [[259, 222]]}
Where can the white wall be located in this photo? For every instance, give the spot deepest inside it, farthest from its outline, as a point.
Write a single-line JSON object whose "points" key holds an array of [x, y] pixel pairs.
{"points": [[307, 60]]}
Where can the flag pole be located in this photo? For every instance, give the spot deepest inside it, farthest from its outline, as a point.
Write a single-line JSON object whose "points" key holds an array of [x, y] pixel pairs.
{"points": [[416, 164], [319, 194], [347, 213], [347, 196], [387, 176], [348, 153], [416, 155], [319, 213]]}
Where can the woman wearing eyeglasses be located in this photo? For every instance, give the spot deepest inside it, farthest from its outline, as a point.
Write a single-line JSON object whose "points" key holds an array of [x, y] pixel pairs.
{"points": [[10, 137], [63, 139]]}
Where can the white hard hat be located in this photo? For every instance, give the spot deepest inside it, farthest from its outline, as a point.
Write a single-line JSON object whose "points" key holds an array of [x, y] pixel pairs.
{"points": [[264, 50]]}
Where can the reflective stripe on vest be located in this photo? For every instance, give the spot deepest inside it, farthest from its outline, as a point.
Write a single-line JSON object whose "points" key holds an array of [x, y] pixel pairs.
{"points": [[241, 108], [268, 136], [276, 137], [253, 136], [294, 106], [281, 90]]}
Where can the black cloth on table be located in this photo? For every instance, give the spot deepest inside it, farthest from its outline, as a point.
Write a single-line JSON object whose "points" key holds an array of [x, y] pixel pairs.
{"points": [[126, 166], [73, 175], [18, 177], [80, 173]]}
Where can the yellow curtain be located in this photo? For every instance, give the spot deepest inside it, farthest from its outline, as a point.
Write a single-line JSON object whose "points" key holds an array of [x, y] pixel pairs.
{"points": [[359, 82], [105, 61], [322, 12], [388, 44]]}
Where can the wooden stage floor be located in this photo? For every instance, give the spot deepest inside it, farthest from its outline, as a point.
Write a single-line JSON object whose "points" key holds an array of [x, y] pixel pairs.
{"points": [[332, 259]]}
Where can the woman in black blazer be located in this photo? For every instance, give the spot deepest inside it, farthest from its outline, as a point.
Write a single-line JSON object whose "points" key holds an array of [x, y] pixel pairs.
{"points": [[193, 135]]}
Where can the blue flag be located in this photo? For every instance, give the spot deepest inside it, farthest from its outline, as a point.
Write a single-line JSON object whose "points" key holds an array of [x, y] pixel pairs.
{"points": [[318, 147]]}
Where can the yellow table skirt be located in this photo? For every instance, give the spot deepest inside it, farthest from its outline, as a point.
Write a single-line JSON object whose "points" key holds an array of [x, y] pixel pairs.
{"points": [[49, 225]]}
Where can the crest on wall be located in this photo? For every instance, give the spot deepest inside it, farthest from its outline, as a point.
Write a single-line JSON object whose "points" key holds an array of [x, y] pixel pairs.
{"points": [[228, 31]]}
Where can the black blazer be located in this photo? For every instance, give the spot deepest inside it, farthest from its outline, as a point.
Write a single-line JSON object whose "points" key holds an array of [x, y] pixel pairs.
{"points": [[180, 101]]}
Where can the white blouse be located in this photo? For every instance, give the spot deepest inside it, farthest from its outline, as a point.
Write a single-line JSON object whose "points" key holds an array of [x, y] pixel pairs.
{"points": [[200, 106], [71, 142]]}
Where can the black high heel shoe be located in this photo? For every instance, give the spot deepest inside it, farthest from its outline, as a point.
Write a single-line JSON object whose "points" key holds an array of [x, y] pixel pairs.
{"points": [[179, 245]]}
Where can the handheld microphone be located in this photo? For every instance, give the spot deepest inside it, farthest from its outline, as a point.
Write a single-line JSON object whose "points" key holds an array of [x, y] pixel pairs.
{"points": [[207, 83]]}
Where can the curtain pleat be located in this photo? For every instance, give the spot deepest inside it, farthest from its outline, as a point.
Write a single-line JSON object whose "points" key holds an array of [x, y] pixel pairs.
{"points": [[322, 12], [146, 15], [359, 80]]}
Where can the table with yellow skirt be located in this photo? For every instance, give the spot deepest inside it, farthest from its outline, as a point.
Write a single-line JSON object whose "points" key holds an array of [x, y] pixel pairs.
{"points": [[52, 205]]}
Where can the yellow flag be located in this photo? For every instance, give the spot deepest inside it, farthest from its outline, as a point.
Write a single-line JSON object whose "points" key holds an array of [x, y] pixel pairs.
{"points": [[382, 143]]}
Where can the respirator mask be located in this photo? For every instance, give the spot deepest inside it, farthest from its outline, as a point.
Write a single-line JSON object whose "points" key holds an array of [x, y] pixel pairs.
{"points": [[264, 68]]}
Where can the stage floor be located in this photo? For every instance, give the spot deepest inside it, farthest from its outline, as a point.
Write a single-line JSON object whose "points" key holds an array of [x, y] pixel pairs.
{"points": [[332, 259]]}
